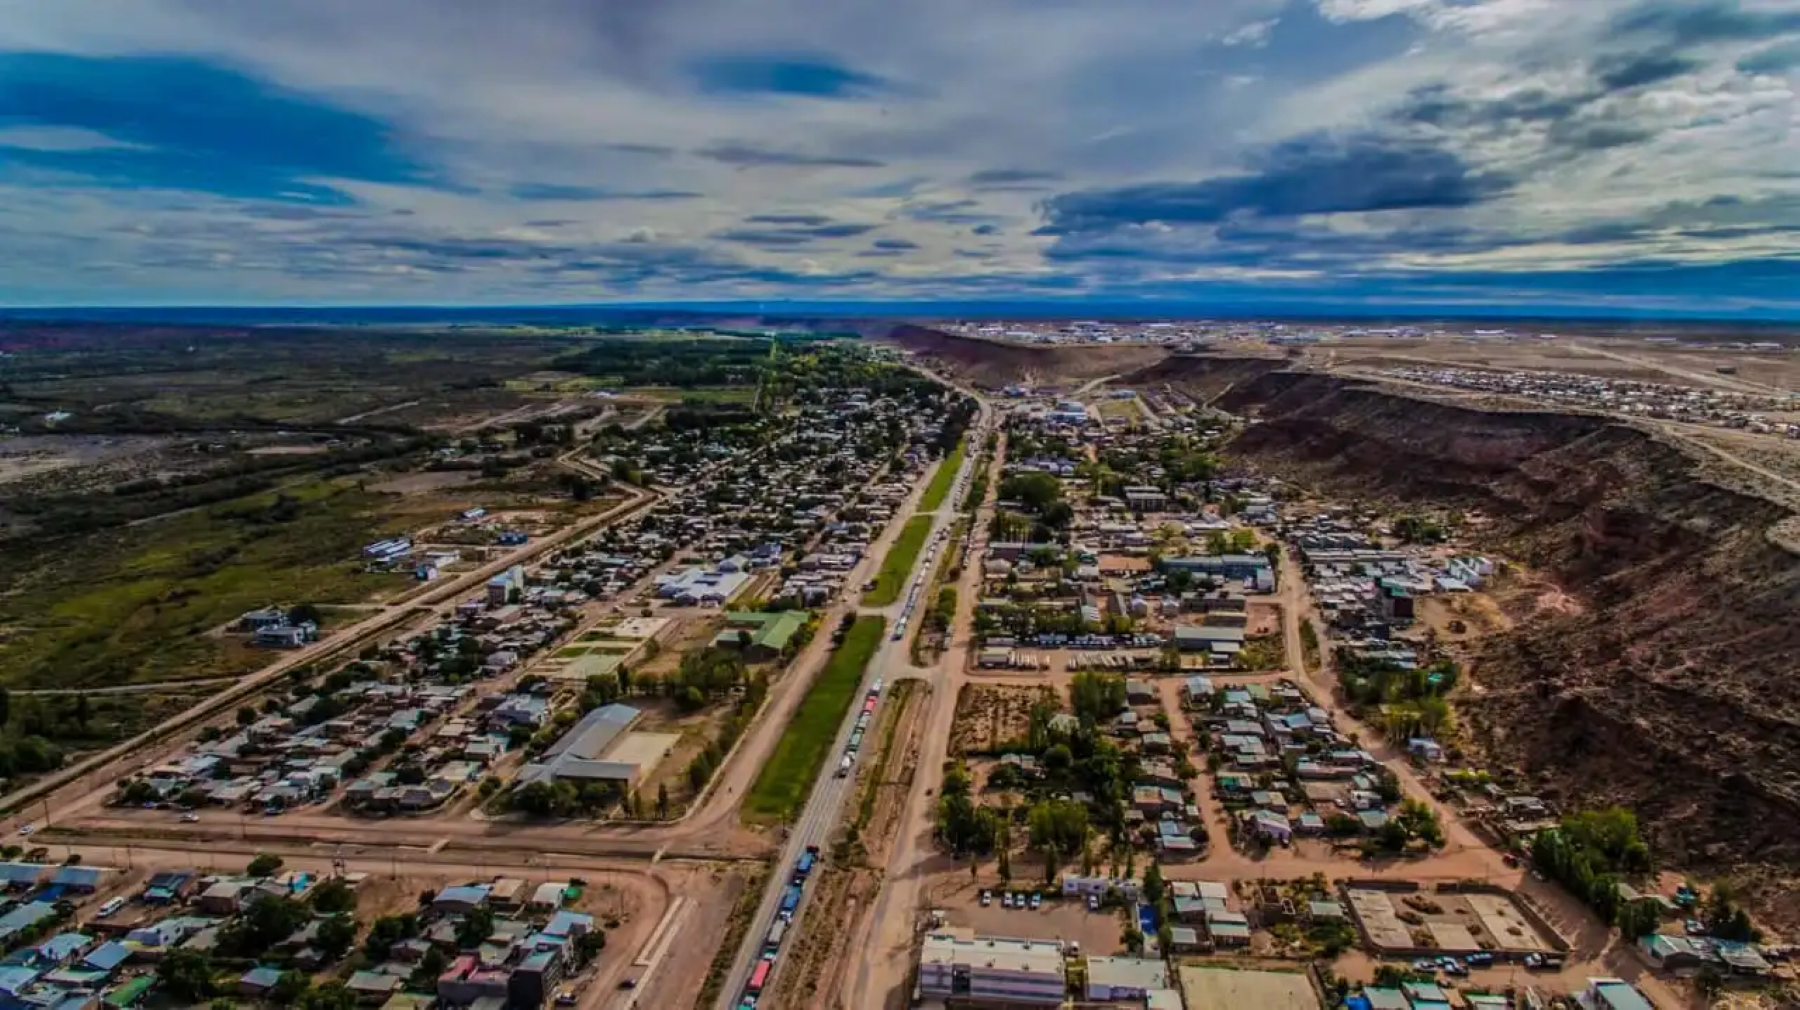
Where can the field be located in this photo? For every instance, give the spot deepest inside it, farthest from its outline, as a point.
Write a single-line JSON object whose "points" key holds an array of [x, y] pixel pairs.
{"points": [[945, 476], [988, 716], [899, 562], [138, 604], [785, 781]]}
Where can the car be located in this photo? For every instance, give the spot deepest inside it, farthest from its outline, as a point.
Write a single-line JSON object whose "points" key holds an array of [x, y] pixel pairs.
{"points": [[628, 983], [565, 997], [1694, 927], [1428, 965], [1005, 899], [1037, 901], [1454, 967], [190, 818], [987, 898], [1479, 960], [1093, 903], [26, 829]]}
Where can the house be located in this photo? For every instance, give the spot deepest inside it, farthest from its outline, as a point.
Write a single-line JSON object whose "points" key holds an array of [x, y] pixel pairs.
{"points": [[258, 981], [762, 636], [457, 900], [169, 886], [224, 897], [1268, 825], [1124, 979]]}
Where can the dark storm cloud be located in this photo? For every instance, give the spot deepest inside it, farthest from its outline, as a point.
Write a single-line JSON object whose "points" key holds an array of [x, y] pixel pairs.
{"points": [[751, 156], [554, 191], [792, 234], [788, 219], [1314, 174]]}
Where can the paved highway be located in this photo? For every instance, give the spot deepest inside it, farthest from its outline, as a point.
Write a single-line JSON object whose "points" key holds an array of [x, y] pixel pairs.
{"points": [[824, 808]]}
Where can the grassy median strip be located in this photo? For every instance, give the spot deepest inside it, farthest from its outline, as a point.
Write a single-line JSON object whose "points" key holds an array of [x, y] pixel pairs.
{"points": [[899, 562], [781, 789], [939, 488]]}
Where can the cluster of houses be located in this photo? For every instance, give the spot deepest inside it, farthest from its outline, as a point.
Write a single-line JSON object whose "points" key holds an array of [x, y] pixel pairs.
{"points": [[1631, 397], [1365, 588], [293, 757], [783, 504], [110, 961], [1285, 769]]}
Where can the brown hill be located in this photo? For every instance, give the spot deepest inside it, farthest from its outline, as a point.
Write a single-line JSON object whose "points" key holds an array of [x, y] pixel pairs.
{"points": [[1672, 690], [994, 364]]}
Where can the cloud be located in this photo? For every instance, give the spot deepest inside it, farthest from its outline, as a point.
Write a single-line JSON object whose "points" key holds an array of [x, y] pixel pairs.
{"points": [[1252, 34], [422, 151], [1777, 59], [752, 156], [789, 219], [1621, 71], [178, 123], [792, 230], [1315, 174], [1698, 22], [556, 191], [994, 178], [894, 244], [770, 74]]}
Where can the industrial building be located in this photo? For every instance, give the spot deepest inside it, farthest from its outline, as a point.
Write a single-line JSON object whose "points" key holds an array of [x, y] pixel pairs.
{"points": [[991, 971], [601, 748]]}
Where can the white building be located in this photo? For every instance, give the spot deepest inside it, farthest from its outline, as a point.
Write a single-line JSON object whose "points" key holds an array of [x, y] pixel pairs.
{"points": [[995, 970]]}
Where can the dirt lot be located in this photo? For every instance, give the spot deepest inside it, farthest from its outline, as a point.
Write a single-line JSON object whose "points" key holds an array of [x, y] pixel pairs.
{"points": [[426, 481], [988, 715], [1453, 923]]}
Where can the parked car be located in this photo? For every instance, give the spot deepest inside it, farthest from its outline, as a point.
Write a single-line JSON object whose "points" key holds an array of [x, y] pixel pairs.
{"points": [[987, 898], [1006, 899], [1093, 903], [1479, 960], [1037, 901], [26, 829]]}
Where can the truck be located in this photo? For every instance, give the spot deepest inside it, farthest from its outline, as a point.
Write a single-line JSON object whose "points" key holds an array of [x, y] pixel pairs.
{"points": [[772, 942], [803, 866], [844, 765], [790, 900]]}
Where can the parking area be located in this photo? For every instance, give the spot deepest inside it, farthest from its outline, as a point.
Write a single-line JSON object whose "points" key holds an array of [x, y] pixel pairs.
{"points": [[959, 900]]}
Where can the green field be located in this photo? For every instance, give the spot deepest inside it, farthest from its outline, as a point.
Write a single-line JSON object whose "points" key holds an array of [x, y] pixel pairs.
{"points": [[788, 777], [945, 476], [899, 562], [140, 603]]}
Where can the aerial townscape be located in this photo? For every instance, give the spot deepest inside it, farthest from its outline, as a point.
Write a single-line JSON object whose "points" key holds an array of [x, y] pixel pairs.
{"points": [[854, 505], [694, 664]]}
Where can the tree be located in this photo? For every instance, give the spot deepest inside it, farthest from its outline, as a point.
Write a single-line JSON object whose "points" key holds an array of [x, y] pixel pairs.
{"points": [[1710, 982], [185, 975], [1096, 696], [1132, 939], [430, 968], [305, 613], [476, 926], [333, 896], [1639, 918], [589, 945], [330, 996], [290, 988], [387, 931], [662, 801], [1153, 885], [264, 865], [5, 707], [246, 716], [336, 935]]}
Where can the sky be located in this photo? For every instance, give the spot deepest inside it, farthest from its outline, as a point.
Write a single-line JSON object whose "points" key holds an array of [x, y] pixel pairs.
{"points": [[1625, 156]]}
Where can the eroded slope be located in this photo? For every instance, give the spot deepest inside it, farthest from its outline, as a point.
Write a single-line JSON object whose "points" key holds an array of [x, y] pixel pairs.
{"points": [[1672, 689]]}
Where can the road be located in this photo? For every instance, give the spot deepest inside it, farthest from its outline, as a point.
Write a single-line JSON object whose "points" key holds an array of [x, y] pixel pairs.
{"points": [[885, 935], [824, 808]]}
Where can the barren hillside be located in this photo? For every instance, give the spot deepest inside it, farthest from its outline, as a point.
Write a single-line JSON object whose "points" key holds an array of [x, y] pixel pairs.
{"points": [[1672, 690], [995, 364]]}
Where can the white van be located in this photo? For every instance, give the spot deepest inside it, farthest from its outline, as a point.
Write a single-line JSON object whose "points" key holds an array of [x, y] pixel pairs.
{"points": [[112, 905]]}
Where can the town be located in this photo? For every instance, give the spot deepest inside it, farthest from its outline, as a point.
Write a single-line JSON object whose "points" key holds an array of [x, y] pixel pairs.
{"points": [[867, 687]]}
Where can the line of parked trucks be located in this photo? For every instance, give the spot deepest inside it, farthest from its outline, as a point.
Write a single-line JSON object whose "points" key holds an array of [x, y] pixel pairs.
{"points": [[863, 719], [784, 916]]}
